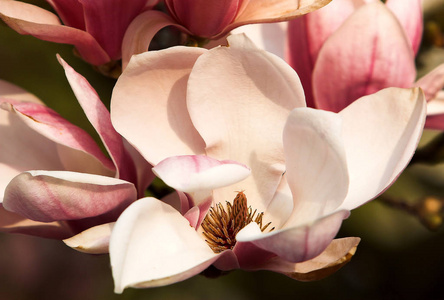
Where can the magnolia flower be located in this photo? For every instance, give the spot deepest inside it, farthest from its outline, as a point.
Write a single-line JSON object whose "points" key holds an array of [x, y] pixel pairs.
{"points": [[211, 19], [354, 48], [95, 28], [54, 179], [263, 181]]}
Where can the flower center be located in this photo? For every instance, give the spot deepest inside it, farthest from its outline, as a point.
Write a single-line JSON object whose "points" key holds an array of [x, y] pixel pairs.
{"points": [[220, 227]]}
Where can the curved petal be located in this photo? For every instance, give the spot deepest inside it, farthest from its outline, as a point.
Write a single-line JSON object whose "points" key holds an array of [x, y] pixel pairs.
{"points": [[409, 14], [14, 223], [334, 257], [193, 173], [156, 82], [179, 251], [381, 132], [141, 31], [99, 117], [270, 37], [11, 91], [295, 244], [432, 83], [241, 114], [316, 166], [47, 196], [36, 151], [45, 121], [364, 57], [94, 240], [29, 19], [267, 11]]}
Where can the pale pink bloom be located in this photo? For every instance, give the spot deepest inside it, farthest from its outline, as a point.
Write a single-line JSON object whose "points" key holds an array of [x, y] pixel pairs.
{"points": [[211, 19], [216, 122], [353, 48], [94, 27], [54, 179]]}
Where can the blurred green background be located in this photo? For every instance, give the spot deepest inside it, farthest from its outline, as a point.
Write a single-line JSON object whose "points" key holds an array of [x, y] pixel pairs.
{"points": [[398, 258]]}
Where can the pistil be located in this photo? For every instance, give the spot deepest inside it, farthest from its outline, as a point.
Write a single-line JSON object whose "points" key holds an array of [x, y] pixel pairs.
{"points": [[220, 227]]}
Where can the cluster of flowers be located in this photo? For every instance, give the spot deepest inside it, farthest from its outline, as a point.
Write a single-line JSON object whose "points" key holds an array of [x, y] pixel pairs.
{"points": [[295, 150]]}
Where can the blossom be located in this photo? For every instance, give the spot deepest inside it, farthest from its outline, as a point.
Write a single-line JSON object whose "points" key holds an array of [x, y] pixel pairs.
{"points": [[354, 48], [211, 19], [95, 28], [55, 181], [231, 123]]}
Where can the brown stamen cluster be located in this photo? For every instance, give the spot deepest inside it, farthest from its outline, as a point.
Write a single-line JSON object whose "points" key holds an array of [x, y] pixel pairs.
{"points": [[220, 227]]}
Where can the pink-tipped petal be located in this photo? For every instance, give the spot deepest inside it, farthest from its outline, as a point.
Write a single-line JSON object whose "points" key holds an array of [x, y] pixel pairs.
{"points": [[267, 11], [193, 173], [14, 223], [141, 31], [29, 19], [36, 151], [362, 57], [148, 104], [409, 14], [77, 150], [432, 83], [11, 91], [179, 252], [381, 132], [94, 240], [295, 244], [99, 117], [316, 163], [241, 114], [48, 196], [334, 257]]}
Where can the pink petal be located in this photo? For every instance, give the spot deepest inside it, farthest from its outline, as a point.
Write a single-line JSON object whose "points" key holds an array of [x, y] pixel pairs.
{"points": [[316, 163], [381, 132], [14, 223], [362, 57], [107, 21], [94, 240], [157, 113], [409, 14], [48, 196], [204, 18], [77, 150], [100, 118], [71, 12], [334, 257], [179, 251], [241, 115], [307, 34], [194, 173], [29, 19], [11, 91], [142, 30], [267, 11], [435, 122], [295, 244], [432, 83]]}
